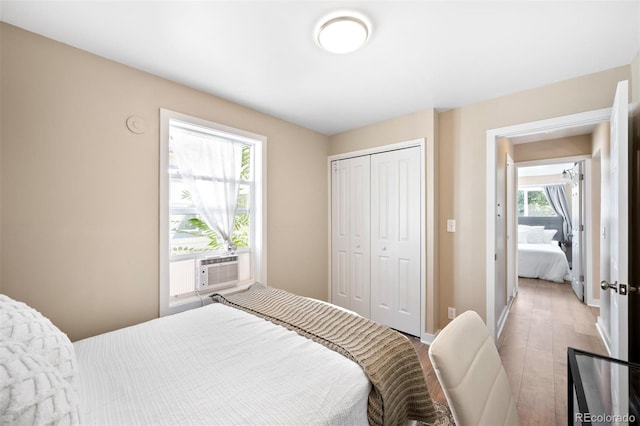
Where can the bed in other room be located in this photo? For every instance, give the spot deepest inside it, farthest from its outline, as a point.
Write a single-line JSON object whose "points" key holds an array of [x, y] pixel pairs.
{"points": [[540, 255]]}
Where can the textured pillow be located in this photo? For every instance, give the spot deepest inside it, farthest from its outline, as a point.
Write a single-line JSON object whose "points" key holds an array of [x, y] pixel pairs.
{"points": [[548, 235], [32, 391], [25, 325]]}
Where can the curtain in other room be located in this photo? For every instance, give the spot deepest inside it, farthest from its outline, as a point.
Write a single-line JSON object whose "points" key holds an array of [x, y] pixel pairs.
{"points": [[557, 197]]}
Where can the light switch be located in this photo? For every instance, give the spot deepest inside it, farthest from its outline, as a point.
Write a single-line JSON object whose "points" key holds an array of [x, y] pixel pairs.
{"points": [[451, 225]]}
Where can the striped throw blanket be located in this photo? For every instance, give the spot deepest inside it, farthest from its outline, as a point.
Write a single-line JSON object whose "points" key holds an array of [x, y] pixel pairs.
{"points": [[399, 391]]}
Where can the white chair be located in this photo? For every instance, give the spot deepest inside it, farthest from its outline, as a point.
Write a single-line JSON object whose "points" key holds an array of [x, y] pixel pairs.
{"points": [[471, 374]]}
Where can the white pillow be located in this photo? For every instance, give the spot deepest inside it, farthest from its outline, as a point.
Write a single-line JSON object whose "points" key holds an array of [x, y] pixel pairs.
{"points": [[529, 227], [548, 235], [522, 236], [25, 325], [535, 236], [32, 391]]}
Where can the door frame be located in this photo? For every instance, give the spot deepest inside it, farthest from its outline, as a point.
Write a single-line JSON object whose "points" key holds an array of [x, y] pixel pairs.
{"points": [[588, 245], [428, 289], [522, 129], [512, 228]]}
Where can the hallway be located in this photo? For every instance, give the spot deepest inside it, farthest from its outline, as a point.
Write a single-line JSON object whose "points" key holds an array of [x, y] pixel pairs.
{"points": [[544, 320]]}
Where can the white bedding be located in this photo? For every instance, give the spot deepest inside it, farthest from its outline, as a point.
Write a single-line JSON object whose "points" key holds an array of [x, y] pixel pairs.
{"points": [[216, 365], [544, 261]]}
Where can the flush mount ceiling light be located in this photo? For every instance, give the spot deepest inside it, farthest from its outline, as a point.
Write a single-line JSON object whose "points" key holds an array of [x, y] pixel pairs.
{"points": [[342, 32]]}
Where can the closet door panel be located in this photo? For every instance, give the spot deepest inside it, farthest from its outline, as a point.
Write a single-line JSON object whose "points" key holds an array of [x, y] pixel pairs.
{"points": [[340, 233], [384, 179], [395, 224], [350, 239], [382, 302], [407, 243], [360, 236]]}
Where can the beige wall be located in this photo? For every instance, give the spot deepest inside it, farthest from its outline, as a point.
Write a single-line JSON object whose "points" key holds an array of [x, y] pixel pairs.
{"points": [[421, 124], [553, 148], [400, 129], [463, 149], [80, 192]]}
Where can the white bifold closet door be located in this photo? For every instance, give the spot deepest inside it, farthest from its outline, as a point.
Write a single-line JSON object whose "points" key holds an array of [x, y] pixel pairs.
{"points": [[375, 253], [350, 218], [395, 239]]}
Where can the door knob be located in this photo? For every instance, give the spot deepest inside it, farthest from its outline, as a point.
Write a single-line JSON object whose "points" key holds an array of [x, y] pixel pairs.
{"points": [[621, 289], [605, 285]]}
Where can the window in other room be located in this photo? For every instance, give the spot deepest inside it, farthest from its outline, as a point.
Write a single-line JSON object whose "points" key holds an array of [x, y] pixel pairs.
{"points": [[532, 201]]}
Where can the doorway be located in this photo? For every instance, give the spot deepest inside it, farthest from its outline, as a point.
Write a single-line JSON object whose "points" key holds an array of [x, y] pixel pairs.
{"points": [[532, 129], [550, 226]]}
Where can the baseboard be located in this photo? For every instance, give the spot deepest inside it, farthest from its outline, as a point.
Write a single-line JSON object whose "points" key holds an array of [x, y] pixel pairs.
{"points": [[502, 321], [427, 338]]}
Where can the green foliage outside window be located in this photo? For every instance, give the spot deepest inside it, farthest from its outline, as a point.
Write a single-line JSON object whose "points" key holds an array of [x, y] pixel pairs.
{"points": [[536, 204]]}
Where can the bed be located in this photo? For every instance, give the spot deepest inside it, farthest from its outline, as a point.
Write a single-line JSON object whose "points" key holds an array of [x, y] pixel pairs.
{"points": [[540, 256], [213, 365]]}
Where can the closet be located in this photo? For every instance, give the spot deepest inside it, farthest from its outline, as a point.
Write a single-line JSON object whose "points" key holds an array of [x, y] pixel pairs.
{"points": [[375, 237]]}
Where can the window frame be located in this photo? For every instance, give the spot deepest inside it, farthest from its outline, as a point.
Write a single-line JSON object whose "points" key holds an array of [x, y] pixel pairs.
{"points": [[169, 305]]}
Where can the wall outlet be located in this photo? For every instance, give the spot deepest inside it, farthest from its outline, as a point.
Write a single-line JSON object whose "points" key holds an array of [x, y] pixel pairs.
{"points": [[451, 313]]}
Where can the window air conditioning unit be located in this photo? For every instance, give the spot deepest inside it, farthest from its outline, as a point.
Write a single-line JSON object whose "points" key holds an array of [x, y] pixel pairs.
{"points": [[215, 273]]}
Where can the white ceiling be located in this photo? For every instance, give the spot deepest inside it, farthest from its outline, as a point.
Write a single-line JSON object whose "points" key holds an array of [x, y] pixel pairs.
{"points": [[422, 54]]}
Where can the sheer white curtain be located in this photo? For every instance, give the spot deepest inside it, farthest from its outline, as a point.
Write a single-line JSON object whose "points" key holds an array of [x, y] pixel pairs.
{"points": [[210, 166]]}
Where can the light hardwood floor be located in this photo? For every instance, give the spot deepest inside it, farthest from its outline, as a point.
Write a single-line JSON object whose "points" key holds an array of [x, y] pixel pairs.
{"points": [[544, 320], [430, 376]]}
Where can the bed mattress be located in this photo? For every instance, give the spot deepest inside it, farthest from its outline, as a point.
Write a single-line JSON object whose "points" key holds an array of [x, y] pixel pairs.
{"points": [[216, 365], [544, 261]]}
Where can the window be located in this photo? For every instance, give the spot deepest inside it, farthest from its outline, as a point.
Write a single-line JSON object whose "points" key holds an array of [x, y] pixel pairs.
{"points": [[533, 202], [211, 215]]}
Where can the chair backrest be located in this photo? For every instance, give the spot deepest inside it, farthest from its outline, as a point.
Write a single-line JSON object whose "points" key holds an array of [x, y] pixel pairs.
{"points": [[470, 372]]}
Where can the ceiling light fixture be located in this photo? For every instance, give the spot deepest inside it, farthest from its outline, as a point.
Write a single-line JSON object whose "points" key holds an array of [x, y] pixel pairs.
{"points": [[342, 32]]}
